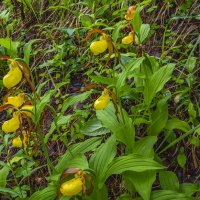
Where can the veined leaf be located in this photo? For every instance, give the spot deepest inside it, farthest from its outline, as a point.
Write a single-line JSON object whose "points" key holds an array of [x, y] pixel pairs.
{"points": [[10, 45], [142, 182], [8, 190], [94, 127], [168, 180], [103, 80], [176, 123], [168, 194], [49, 193], [144, 146], [131, 162], [103, 157], [81, 147], [144, 32], [137, 21], [159, 118], [123, 129], [131, 65], [3, 176], [27, 51], [156, 82]]}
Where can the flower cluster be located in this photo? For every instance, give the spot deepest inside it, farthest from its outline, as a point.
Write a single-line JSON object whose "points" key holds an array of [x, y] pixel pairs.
{"points": [[17, 103], [130, 14]]}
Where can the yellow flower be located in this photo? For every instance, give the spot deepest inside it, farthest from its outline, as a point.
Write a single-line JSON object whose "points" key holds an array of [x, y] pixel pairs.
{"points": [[13, 77], [102, 101], [130, 13], [98, 47], [27, 107], [12, 124], [128, 39], [71, 187], [17, 142], [16, 101]]}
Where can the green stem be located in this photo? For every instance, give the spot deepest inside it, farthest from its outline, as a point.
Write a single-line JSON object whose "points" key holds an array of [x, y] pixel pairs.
{"points": [[49, 163], [180, 138]]}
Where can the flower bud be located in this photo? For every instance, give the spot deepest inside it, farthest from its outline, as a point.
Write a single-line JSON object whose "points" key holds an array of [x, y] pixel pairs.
{"points": [[13, 77], [130, 13], [102, 101], [98, 47], [27, 107], [71, 187], [16, 101], [11, 125], [17, 142], [128, 39]]}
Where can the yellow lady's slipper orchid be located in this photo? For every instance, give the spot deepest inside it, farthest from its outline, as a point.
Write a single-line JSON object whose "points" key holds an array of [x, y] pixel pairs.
{"points": [[128, 39], [13, 77], [12, 124], [17, 142], [102, 101], [71, 187], [130, 13], [98, 47], [16, 101], [27, 107]]}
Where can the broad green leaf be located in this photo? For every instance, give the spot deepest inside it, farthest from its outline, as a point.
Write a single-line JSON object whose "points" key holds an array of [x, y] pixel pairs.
{"points": [[123, 129], [10, 45], [159, 118], [190, 64], [27, 51], [137, 21], [100, 11], [98, 193], [132, 162], [9, 191], [3, 176], [192, 112], [142, 182], [102, 158], [194, 141], [4, 15], [74, 99], [144, 146], [176, 123], [168, 180], [189, 188], [49, 193], [117, 29], [103, 80], [156, 82], [181, 158], [144, 32], [94, 127], [168, 195], [131, 65], [86, 20], [78, 161], [154, 63], [125, 197], [81, 147], [15, 159]]}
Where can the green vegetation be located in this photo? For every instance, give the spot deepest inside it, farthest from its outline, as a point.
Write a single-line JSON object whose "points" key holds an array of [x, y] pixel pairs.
{"points": [[99, 100]]}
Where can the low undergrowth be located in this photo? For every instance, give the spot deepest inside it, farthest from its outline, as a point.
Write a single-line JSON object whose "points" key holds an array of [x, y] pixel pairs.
{"points": [[99, 100]]}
